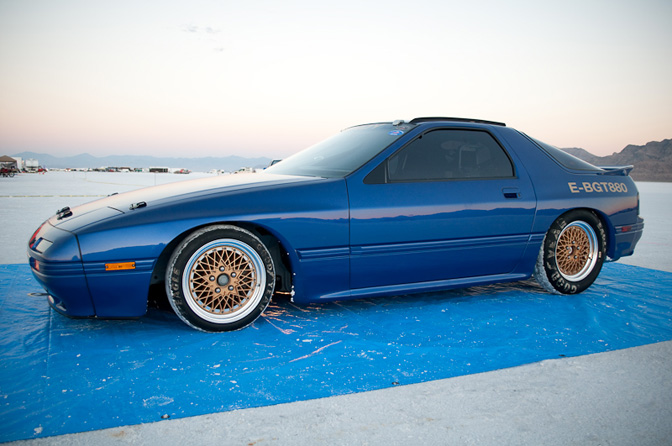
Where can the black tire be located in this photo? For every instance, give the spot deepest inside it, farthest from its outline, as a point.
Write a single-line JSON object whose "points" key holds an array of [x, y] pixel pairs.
{"points": [[572, 253], [220, 278]]}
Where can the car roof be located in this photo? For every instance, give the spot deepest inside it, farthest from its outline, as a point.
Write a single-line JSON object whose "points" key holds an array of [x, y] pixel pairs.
{"points": [[431, 119], [439, 119]]}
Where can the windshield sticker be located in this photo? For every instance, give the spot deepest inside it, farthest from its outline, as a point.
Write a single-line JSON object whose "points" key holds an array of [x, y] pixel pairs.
{"points": [[396, 132]]}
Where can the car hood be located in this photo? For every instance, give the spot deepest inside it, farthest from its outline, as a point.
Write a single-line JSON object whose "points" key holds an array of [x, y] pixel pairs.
{"points": [[117, 204]]}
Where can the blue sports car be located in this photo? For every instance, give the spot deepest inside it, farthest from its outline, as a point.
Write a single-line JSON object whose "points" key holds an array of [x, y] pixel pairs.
{"points": [[378, 209]]}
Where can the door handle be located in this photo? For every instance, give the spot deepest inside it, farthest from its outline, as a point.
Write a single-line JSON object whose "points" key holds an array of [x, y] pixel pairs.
{"points": [[511, 192]]}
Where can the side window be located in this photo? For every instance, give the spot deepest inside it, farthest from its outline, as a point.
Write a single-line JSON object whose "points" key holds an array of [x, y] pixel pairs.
{"points": [[450, 155]]}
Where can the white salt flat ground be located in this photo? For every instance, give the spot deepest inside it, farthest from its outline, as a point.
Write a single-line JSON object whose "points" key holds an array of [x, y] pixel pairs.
{"points": [[617, 398]]}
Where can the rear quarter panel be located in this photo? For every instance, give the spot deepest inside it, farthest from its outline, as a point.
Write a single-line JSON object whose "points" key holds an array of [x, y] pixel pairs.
{"points": [[614, 197]]}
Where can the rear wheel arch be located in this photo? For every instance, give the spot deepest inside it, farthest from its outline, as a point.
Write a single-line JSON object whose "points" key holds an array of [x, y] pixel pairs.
{"points": [[572, 252], [610, 231], [606, 225]]}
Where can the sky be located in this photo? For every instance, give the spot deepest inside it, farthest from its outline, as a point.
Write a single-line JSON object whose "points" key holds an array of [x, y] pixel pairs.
{"points": [[269, 78]]}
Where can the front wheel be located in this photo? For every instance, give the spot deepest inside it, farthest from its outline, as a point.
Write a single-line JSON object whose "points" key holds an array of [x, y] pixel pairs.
{"points": [[572, 253], [220, 278]]}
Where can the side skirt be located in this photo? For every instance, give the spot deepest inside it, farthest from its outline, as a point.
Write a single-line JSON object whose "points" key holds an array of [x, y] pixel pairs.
{"points": [[424, 287]]}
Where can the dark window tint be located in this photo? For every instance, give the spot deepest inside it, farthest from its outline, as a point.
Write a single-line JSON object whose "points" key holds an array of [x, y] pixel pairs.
{"points": [[450, 155], [566, 159]]}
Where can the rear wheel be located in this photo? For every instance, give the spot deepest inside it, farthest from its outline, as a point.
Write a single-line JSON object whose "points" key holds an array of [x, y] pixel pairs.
{"points": [[220, 278], [572, 253]]}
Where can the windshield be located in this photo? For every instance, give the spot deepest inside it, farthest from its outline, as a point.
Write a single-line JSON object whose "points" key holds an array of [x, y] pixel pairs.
{"points": [[341, 154]]}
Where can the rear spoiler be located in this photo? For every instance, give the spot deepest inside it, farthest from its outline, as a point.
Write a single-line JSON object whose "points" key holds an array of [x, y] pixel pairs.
{"points": [[617, 170]]}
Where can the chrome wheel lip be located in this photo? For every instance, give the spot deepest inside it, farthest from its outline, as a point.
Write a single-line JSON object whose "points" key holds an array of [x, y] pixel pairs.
{"points": [[590, 246], [254, 297]]}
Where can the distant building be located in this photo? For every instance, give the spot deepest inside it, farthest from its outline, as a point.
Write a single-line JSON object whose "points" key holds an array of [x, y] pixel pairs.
{"points": [[8, 162], [31, 165], [8, 166]]}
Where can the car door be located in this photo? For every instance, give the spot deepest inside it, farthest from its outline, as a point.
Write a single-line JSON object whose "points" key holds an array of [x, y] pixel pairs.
{"points": [[450, 204]]}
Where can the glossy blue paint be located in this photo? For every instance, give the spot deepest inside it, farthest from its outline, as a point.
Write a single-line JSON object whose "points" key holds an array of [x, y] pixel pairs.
{"points": [[60, 271], [119, 293], [341, 237], [295, 212], [418, 232], [555, 197]]}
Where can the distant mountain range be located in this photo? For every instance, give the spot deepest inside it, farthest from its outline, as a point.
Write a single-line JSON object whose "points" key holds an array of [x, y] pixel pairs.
{"points": [[652, 161], [228, 163]]}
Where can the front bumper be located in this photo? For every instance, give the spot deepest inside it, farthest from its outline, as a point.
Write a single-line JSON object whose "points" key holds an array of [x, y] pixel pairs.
{"points": [[55, 261]]}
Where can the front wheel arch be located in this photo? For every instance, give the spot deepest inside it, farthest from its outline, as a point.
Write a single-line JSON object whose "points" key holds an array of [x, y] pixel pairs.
{"points": [[157, 296], [219, 278]]}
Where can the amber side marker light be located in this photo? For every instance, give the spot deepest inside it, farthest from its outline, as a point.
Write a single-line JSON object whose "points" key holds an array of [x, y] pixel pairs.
{"points": [[119, 266]]}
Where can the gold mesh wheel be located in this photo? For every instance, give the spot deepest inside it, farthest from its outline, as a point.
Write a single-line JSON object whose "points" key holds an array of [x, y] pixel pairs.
{"points": [[576, 251], [224, 280]]}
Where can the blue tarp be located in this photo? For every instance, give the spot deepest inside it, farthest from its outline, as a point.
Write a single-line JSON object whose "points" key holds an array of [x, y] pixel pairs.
{"points": [[60, 375]]}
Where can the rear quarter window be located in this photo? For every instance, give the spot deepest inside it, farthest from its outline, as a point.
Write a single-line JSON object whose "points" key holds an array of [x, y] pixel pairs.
{"points": [[565, 159]]}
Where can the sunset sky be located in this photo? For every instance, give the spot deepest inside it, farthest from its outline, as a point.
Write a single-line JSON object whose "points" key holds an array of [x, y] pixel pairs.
{"points": [[268, 78]]}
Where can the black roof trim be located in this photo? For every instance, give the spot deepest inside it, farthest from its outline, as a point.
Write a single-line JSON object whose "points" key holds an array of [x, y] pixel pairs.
{"points": [[477, 121]]}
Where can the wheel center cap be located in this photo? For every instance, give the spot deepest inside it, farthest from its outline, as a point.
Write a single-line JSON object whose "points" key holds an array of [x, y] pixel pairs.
{"points": [[223, 280]]}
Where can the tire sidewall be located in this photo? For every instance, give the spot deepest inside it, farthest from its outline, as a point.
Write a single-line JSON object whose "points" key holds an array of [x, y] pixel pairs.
{"points": [[176, 269], [548, 252]]}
